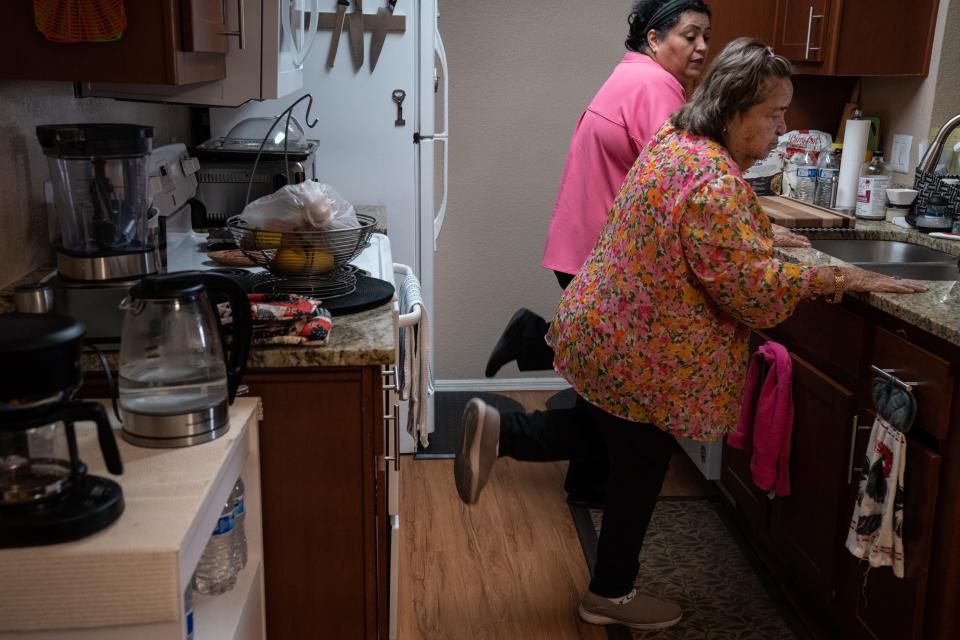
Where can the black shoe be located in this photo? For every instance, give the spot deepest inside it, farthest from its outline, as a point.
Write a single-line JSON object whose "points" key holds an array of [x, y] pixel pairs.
{"points": [[509, 345]]}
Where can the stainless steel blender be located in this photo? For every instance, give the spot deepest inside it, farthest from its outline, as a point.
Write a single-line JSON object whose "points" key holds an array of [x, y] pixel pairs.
{"points": [[107, 242]]}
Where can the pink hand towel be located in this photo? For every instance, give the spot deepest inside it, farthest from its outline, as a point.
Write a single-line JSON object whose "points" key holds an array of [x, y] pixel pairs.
{"points": [[769, 419]]}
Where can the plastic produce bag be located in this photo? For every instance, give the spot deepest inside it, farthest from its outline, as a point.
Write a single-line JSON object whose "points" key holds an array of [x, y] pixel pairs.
{"points": [[308, 206]]}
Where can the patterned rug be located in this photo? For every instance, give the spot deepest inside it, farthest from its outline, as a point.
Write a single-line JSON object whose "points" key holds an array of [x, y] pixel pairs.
{"points": [[690, 556]]}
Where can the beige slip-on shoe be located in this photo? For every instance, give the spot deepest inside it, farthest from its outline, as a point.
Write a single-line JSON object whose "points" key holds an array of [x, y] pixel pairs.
{"points": [[634, 610], [478, 449]]}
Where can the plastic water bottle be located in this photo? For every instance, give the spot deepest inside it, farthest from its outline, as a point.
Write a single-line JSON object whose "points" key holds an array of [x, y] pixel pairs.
{"points": [[188, 612], [807, 178], [217, 570], [829, 167], [239, 515]]}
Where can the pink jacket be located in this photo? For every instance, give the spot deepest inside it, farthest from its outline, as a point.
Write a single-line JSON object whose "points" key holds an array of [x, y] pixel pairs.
{"points": [[770, 418], [629, 108]]}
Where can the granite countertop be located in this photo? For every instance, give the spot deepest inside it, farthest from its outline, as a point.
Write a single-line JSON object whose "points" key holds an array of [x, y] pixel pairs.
{"points": [[936, 311], [357, 339]]}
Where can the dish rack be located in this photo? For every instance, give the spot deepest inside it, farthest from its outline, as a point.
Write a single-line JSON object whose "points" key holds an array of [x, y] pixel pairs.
{"points": [[305, 262]]}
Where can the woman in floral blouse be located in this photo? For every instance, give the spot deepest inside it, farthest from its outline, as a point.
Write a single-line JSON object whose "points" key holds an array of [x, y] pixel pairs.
{"points": [[652, 331]]}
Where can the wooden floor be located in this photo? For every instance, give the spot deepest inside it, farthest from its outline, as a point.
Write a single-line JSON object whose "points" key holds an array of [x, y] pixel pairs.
{"points": [[511, 566]]}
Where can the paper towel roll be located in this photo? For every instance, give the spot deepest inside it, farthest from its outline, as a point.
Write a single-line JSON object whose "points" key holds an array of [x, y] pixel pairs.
{"points": [[855, 137]]}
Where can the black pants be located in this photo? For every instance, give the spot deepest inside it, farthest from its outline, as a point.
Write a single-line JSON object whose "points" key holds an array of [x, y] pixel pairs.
{"points": [[638, 455], [586, 476]]}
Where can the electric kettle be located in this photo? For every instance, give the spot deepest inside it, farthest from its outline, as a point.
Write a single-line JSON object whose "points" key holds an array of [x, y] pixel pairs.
{"points": [[176, 377]]}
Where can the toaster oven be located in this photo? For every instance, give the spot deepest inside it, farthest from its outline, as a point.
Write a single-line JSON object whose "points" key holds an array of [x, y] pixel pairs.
{"points": [[225, 175]]}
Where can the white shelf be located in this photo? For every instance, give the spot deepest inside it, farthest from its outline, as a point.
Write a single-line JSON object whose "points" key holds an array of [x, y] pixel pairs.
{"points": [[128, 580]]}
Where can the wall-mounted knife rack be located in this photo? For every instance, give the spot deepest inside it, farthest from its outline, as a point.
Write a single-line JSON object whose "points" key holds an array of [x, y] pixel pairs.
{"points": [[329, 20]]}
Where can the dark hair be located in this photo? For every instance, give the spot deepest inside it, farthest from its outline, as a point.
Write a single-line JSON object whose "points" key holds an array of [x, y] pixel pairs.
{"points": [[643, 10], [735, 81]]}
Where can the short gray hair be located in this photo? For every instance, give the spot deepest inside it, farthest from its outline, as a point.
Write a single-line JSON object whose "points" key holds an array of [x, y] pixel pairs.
{"points": [[737, 80]]}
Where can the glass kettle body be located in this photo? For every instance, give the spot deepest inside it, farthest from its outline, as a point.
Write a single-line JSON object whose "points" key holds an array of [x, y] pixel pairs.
{"points": [[176, 377]]}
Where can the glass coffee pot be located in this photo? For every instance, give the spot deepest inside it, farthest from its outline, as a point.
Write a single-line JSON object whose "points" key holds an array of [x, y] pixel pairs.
{"points": [[176, 378]]}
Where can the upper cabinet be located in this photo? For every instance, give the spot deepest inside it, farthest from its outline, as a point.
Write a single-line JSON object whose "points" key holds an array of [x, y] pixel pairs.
{"points": [[834, 37], [170, 42], [203, 52], [856, 37], [264, 61]]}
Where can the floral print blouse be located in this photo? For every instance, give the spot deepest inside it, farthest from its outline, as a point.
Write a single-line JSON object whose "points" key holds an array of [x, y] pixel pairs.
{"points": [[654, 326]]}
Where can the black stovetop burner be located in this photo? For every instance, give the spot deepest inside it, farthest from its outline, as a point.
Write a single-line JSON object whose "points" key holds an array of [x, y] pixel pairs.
{"points": [[90, 505]]}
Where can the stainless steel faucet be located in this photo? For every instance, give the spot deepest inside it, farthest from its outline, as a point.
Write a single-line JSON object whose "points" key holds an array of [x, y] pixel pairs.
{"points": [[929, 162]]}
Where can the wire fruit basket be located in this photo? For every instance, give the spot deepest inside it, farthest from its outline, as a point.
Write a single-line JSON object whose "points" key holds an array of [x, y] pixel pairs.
{"points": [[308, 257]]}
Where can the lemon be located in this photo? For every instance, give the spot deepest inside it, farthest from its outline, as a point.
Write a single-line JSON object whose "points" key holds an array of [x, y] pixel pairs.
{"points": [[290, 260], [268, 239], [319, 261]]}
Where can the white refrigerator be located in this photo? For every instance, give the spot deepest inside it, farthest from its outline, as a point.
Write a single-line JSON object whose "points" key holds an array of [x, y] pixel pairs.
{"points": [[366, 153]]}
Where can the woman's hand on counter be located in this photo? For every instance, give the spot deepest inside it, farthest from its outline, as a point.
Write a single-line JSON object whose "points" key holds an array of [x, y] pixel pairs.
{"points": [[862, 280], [783, 237]]}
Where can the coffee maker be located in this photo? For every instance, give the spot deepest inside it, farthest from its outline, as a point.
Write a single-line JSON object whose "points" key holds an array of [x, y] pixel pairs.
{"points": [[46, 494], [108, 234]]}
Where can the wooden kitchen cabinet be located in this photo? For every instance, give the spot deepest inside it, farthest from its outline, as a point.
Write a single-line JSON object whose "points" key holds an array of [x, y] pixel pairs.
{"points": [[805, 526], [324, 504], [801, 538], [834, 37], [802, 30], [880, 604], [856, 37], [169, 42]]}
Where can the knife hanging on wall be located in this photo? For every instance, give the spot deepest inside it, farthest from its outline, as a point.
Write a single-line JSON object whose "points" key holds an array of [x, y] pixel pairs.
{"points": [[356, 34], [338, 27], [380, 31]]}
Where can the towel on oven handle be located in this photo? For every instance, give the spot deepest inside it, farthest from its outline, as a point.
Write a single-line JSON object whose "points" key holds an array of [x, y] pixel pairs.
{"points": [[415, 374]]}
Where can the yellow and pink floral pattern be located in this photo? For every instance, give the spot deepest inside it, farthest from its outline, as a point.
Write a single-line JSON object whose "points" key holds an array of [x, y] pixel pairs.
{"points": [[654, 326]]}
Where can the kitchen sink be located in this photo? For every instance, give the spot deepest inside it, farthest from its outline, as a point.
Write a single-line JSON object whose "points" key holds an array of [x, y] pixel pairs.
{"points": [[893, 258], [863, 251], [915, 270]]}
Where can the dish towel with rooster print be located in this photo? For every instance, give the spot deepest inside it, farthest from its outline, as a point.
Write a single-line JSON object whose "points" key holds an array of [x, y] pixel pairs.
{"points": [[876, 529]]}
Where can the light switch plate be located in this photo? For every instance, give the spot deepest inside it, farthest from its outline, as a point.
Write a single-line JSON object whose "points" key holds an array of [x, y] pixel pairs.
{"points": [[900, 154]]}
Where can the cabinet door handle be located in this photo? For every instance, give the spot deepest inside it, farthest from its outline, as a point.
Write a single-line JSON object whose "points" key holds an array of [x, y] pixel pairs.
{"points": [[807, 48], [389, 373], [240, 27], [395, 458], [853, 442]]}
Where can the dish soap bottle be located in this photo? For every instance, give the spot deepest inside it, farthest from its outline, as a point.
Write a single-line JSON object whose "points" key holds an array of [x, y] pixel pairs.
{"points": [[872, 188]]}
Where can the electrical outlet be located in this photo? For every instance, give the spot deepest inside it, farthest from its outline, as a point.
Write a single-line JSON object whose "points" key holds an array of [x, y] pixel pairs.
{"points": [[900, 154]]}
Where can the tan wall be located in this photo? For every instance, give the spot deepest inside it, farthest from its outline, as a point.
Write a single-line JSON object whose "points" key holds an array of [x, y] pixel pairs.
{"points": [[521, 74], [25, 231]]}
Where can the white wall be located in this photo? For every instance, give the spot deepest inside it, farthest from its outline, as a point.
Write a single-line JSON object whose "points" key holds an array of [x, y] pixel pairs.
{"points": [[25, 230]]}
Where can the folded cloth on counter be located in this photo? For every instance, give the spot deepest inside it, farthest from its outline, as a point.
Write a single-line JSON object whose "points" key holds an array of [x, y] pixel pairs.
{"points": [[415, 374], [766, 418], [876, 528], [285, 319]]}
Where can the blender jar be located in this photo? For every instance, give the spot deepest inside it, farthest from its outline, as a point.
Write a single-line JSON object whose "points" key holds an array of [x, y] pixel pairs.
{"points": [[100, 184]]}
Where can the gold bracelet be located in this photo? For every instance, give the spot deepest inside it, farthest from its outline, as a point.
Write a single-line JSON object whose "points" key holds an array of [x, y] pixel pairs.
{"points": [[839, 283]]}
